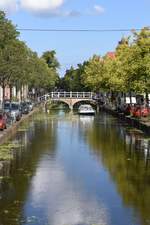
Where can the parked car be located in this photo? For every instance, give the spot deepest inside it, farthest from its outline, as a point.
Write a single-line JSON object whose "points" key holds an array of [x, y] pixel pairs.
{"points": [[15, 113], [7, 106], [24, 108], [3, 121], [140, 111], [30, 105]]}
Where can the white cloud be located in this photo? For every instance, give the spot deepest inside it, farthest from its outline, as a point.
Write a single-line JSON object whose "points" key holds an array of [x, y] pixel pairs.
{"points": [[42, 7], [99, 9], [8, 5], [95, 11], [46, 8]]}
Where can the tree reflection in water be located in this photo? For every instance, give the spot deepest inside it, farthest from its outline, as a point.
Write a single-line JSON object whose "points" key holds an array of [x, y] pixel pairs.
{"points": [[34, 139], [126, 155]]}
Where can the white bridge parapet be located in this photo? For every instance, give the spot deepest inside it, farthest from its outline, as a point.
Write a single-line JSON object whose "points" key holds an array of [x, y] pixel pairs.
{"points": [[67, 95], [70, 98]]}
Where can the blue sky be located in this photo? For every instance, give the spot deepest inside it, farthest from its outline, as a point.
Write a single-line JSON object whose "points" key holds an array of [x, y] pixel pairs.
{"points": [[73, 48]]}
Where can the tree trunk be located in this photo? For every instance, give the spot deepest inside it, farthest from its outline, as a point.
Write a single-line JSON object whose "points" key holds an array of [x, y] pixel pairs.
{"points": [[21, 93], [3, 96], [130, 95], [10, 86], [124, 96], [147, 99]]}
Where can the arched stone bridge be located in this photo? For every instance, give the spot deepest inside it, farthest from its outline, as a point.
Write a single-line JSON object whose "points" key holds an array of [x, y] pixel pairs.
{"points": [[70, 98]]}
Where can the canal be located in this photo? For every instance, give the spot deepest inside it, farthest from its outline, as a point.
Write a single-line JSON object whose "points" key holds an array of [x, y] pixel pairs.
{"points": [[74, 170]]}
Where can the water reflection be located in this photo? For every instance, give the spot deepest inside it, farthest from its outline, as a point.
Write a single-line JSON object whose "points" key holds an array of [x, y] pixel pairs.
{"points": [[63, 204], [85, 120], [126, 156], [76, 170], [35, 138]]}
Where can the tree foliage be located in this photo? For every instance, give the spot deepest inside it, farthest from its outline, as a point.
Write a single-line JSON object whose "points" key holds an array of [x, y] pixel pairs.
{"points": [[19, 65], [73, 79], [51, 60], [128, 71]]}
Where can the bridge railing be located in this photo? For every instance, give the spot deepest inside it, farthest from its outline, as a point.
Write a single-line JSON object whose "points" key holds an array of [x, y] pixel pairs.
{"points": [[71, 95], [76, 95]]}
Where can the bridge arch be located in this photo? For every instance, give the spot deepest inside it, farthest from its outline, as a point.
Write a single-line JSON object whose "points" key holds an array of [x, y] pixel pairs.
{"points": [[56, 101], [85, 101], [72, 103]]}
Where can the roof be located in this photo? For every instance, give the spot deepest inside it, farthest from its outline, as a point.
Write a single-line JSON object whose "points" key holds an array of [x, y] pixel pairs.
{"points": [[111, 55]]}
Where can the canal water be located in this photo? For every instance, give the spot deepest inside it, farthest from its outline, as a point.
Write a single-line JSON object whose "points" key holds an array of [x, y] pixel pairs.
{"points": [[76, 170]]}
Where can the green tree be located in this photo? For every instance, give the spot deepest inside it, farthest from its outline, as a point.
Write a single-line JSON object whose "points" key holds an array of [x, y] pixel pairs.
{"points": [[94, 74], [141, 54], [8, 35], [73, 79], [42, 78], [7, 31], [16, 67], [20, 66], [132, 57], [51, 60], [53, 64]]}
